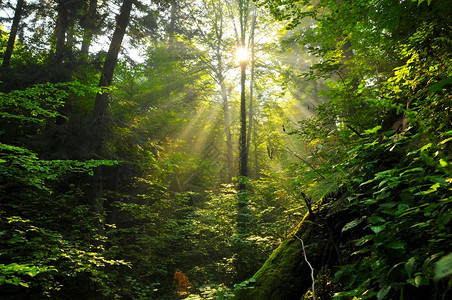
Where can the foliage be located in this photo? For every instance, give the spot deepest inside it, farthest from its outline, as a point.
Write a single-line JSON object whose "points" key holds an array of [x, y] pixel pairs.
{"points": [[413, 194], [37, 257], [41, 260], [379, 146], [381, 142]]}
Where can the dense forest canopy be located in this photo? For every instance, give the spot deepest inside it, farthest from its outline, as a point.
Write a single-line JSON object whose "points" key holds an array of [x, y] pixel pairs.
{"points": [[212, 149]]}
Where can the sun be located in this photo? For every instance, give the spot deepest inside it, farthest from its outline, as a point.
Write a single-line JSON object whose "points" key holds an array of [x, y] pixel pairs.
{"points": [[242, 54]]}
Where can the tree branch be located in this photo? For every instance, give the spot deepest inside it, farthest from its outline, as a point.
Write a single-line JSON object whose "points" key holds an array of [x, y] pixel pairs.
{"points": [[310, 266]]}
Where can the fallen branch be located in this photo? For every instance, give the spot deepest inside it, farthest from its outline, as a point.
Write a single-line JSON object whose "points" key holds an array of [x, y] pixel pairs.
{"points": [[310, 266]]}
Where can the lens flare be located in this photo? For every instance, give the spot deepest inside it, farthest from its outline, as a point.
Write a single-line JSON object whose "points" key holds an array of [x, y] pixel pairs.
{"points": [[242, 54]]}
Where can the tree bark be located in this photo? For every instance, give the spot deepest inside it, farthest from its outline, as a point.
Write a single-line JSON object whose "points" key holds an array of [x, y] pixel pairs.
{"points": [[101, 103], [98, 122], [243, 169], [243, 161], [12, 35], [251, 108], [227, 130], [60, 31], [242, 247]]}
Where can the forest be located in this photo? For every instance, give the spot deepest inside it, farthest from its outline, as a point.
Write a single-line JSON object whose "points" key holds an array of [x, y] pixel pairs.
{"points": [[226, 149]]}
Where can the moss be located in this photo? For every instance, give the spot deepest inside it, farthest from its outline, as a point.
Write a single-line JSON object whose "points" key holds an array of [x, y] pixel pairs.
{"points": [[286, 275]]}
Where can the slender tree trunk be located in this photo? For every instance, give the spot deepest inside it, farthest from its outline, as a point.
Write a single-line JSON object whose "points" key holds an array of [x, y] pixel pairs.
{"points": [[256, 154], [98, 122], [242, 263], [70, 41], [12, 34], [227, 130], [101, 103], [251, 108], [243, 170], [60, 32], [243, 162], [316, 92], [89, 27]]}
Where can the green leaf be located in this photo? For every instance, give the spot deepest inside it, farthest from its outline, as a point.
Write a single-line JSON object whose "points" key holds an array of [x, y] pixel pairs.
{"points": [[383, 292], [363, 240], [443, 267], [425, 147], [352, 224], [410, 266], [417, 280], [377, 229], [445, 141], [397, 245], [443, 163], [373, 130], [432, 189], [419, 169]]}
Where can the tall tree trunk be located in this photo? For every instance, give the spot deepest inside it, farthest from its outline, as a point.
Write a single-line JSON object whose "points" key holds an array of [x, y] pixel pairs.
{"points": [[88, 28], [60, 32], [227, 130], [101, 103], [256, 153], [12, 34], [251, 108], [316, 92], [243, 162], [98, 122], [70, 40], [243, 169], [242, 247]]}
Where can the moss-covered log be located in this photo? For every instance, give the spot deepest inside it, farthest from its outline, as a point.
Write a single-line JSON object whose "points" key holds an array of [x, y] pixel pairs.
{"points": [[286, 274]]}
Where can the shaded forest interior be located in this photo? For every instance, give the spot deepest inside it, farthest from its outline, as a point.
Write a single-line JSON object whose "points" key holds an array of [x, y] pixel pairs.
{"points": [[226, 149]]}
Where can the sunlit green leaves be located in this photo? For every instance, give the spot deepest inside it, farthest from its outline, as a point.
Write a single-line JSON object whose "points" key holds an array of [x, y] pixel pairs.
{"points": [[38, 103], [443, 268], [420, 1]]}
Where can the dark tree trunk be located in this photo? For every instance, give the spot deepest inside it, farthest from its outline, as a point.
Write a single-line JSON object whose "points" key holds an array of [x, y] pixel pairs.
{"points": [[251, 107], [243, 170], [242, 247], [60, 32], [101, 103], [98, 122], [88, 27], [12, 34], [227, 130], [316, 93]]}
